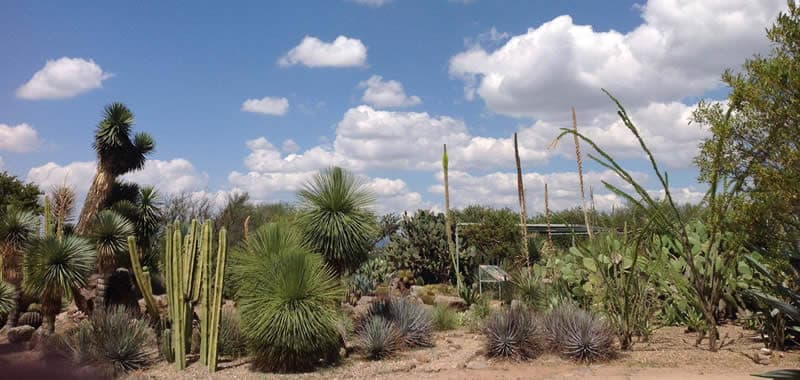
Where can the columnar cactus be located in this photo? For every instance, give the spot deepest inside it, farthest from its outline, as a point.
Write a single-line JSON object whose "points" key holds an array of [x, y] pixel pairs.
{"points": [[142, 275], [188, 267]]}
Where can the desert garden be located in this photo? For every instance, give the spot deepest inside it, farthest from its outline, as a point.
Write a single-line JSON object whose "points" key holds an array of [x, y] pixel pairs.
{"points": [[137, 284]]}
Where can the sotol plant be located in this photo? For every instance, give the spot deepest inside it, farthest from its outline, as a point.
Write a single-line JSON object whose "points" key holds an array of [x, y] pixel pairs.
{"points": [[288, 300], [336, 219], [413, 321], [578, 334]]}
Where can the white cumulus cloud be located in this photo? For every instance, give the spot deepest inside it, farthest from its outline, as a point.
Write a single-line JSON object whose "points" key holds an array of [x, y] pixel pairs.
{"points": [[386, 94], [19, 138], [313, 52], [267, 106], [63, 78], [559, 64]]}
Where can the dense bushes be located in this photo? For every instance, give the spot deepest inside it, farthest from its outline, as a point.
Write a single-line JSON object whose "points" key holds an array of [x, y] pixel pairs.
{"points": [[287, 299]]}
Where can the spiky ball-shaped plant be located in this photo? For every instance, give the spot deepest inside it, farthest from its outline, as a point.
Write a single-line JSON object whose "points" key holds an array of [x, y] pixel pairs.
{"points": [[7, 298], [578, 334], [336, 218], [52, 268], [513, 334], [287, 299], [412, 320], [112, 340], [379, 338], [122, 341]]}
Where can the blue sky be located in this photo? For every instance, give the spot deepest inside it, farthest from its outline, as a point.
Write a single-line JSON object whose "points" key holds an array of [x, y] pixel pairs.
{"points": [[464, 73]]}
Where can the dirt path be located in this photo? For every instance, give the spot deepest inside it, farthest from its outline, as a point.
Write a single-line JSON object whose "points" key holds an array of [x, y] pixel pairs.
{"points": [[459, 355]]}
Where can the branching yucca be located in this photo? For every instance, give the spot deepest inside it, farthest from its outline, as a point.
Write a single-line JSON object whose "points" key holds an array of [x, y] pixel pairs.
{"points": [[336, 218], [287, 298]]}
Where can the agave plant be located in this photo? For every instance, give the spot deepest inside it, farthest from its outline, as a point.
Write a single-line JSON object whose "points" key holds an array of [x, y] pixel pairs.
{"points": [[110, 236], [287, 299], [52, 268], [513, 334], [413, 321], [379, 338], [578, 334], [779, 298], [112, 340], [17, 230], [336, 218]]}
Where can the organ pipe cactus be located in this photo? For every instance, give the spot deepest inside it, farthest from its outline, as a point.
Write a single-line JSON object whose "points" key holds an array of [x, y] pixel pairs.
{"points": [[189, 272], [142, 276]]}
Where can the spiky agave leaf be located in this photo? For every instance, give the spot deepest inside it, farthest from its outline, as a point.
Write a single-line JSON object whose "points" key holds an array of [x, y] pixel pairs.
{"points": [[513, 334], [336, 218], [287, 299], [7, 298], [379, 338], [109, 234], [53, 266]]}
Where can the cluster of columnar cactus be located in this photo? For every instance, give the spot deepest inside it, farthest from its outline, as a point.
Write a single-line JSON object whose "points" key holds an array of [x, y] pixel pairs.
{"points": [[189, 282]]}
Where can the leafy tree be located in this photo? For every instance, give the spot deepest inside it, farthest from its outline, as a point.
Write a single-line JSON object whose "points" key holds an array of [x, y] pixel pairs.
{"points": [[287, 298], [17, 194], [760, 137], [492, 237], [420, 246], [117, 154], [336, 218], [240, 210], [52, 268]]}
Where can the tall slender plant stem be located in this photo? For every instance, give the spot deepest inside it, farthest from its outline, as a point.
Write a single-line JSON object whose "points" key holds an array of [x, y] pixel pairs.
{"points": [[547, 219], [523, 210], [447, 219], [579, 160]]}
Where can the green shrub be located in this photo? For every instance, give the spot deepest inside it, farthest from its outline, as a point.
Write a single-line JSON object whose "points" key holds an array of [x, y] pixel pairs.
{"points": [[578, 334], [232, 343], [379, 338], [477, 313], [112, 340], [444, 318], [513, 334], [287, 301]]}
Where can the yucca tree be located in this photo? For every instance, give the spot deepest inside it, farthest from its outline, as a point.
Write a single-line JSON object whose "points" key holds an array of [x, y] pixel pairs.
{"points": [[337, 219], [117, 154], [17, 231], [288, 300], [52, 268], [144, 213], [109, 233]]}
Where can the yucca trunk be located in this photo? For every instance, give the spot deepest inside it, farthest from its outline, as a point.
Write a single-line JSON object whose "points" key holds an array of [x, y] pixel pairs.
{"points": [[11, 273], [50, 308], [97, 195], [13, 315]]}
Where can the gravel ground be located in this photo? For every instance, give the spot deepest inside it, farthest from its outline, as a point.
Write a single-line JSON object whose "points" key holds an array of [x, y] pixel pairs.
{"points": [[670, 354]]}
